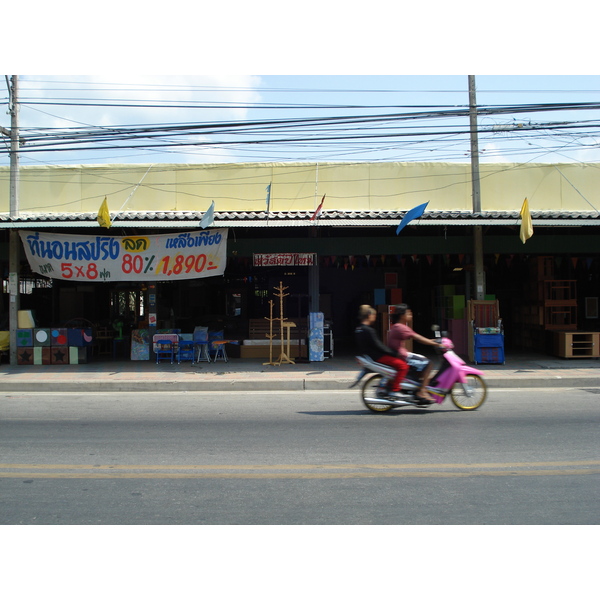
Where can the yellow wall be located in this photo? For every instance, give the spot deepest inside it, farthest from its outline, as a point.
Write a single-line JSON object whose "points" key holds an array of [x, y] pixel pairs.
{"points": [[300, 186]]}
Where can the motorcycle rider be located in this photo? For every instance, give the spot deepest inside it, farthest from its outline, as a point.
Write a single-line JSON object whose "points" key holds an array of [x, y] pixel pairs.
{"points": [[368, 343], [397, 336]]}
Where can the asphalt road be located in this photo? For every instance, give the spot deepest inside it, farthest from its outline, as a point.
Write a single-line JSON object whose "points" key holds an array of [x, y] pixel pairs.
{"points": [[525, 457]]}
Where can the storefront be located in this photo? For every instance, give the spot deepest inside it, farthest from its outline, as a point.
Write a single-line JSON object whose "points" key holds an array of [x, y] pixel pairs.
{"points": [[331, 261]]}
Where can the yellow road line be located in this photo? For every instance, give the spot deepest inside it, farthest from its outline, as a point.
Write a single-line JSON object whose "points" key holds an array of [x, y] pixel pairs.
{"points": [[280, 467], [351, 475]]}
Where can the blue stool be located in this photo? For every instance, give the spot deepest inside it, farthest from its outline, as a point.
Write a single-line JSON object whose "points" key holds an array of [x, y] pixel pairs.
{"points": [[220, 345], [185, 351]]}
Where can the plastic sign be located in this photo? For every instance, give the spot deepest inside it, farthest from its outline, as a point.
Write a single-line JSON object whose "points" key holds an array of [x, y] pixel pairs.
{"points": [[170, 257], [285, 259]]}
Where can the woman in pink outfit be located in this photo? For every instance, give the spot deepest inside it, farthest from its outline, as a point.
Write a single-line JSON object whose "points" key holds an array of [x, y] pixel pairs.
{"points": [[397, 336]]}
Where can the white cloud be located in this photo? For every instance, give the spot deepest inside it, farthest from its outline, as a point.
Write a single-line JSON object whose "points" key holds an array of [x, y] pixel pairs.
{"points": [[159, 100]]}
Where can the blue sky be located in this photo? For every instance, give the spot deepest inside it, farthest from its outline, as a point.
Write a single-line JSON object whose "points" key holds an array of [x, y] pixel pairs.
{"points": [[153, 100]]}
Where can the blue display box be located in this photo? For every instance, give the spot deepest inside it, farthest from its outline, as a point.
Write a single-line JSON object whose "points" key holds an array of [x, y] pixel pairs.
{"points": [[493, 355], [79, 336], [489, 339]]}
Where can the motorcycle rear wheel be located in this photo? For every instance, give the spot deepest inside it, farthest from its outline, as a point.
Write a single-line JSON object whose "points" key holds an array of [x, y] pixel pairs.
{"points": [[371, 390], [473, 397]]}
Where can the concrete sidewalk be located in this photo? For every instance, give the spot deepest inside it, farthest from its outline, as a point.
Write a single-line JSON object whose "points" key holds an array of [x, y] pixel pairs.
{"points": [[526, 370]]}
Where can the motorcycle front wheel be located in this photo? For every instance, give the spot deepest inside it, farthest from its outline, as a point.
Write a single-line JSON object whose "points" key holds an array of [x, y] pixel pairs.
{"points": [[471, 394], [371, 390]]}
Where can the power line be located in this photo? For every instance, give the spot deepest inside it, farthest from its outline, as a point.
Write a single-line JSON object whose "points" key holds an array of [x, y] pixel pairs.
{"points": [[390, 132], [179, 87]]}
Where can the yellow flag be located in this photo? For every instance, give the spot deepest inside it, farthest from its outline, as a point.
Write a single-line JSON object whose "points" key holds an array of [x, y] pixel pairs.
{"points": [[104, 215], [526, 226]]}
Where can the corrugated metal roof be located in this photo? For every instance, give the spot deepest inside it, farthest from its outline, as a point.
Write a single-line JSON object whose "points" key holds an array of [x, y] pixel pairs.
{"points": [[331, 218]]}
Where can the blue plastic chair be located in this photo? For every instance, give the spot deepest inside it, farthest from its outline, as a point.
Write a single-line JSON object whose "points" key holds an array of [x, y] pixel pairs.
{"points": [[186, 351], [164, 350]]}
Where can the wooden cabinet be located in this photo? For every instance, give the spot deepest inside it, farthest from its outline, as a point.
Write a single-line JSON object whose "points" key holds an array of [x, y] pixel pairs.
{"points": [[577, 344]]}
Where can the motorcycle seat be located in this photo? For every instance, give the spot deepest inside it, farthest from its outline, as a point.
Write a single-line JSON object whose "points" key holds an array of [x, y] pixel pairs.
{"points": [[368, 363]]}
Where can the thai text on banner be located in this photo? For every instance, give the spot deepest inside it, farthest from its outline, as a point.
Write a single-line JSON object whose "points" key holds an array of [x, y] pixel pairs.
{"points": [[169, 257]]}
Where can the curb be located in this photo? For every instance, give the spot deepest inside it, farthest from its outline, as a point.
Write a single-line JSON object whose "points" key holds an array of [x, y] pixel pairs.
{"points": [[270, 385]]}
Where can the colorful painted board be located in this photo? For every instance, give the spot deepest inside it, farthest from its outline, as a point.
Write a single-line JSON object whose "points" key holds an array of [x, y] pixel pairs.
{"points": [[60, 355], [316, 337], [41, 355], [58, 337], [74, 337], [25, 356], [140, 344], [41, 337], [73, 355], [24, 338], [79, 336]]}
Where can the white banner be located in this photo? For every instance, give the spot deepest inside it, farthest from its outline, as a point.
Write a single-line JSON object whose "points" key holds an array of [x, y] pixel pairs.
{"points": [[169, 257]]}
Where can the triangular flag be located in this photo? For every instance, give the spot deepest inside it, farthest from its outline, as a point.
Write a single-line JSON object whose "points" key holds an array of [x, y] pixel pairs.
{"points": [[209, 216], [268, 198], [413, 213], [526, 226], [103, 214], [318, 211]]}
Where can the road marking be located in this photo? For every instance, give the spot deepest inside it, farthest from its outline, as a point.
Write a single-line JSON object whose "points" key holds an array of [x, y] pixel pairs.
{"points": [[311, 471], [355, 475], [506, 465]]}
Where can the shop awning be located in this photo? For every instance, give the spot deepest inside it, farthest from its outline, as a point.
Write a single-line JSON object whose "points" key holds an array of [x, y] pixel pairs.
{"points": [[335, 218]]}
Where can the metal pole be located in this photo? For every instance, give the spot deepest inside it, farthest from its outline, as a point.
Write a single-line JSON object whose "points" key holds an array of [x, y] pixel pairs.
{"points": [[474, 146], [14, 242], [313, 278], [477, 230]]}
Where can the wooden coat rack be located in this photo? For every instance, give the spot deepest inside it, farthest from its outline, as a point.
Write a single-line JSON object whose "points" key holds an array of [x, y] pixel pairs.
{"points": [[284, 330]]}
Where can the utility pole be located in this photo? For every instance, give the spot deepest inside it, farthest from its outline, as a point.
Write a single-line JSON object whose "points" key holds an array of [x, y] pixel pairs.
{"points": [[477, 230], [13, 260]]}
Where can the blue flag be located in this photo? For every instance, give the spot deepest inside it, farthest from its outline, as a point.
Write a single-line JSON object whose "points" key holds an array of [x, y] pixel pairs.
{"points": [[209, 216], [413, 213]]}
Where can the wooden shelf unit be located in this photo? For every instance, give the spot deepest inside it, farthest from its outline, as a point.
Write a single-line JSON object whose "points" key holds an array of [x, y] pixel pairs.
{"points": [[547, 305], [577, 344], [560, 303]]}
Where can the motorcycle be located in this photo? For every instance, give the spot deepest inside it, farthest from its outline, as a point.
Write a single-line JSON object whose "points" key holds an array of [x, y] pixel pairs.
{"points": [[464, 384]]}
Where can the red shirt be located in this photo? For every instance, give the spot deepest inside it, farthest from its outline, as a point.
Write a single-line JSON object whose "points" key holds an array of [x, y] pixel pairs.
{"points": [[397, 335]]}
